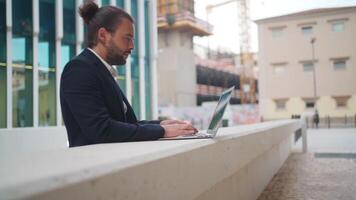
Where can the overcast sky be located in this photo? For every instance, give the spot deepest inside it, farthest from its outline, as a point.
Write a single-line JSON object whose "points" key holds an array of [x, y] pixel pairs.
{"points": [[224, 18]]}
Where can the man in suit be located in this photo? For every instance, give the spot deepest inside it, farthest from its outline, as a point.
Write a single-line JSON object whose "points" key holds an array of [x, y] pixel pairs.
{"points": [[94, 108]]}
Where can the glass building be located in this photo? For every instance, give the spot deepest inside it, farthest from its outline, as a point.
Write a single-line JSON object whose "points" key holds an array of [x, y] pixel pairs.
{"points": [[37, 39]]}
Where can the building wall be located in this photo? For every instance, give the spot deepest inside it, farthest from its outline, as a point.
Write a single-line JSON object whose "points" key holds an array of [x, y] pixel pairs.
{"points": [[176, 69], [293, 48], [37, 38]]}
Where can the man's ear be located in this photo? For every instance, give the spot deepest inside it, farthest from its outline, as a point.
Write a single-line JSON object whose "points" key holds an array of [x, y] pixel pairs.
{"points": [[102, 35]]}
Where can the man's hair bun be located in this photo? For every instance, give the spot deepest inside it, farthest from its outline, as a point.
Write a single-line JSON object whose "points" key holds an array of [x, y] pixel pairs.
{"points": [[88, 10]]}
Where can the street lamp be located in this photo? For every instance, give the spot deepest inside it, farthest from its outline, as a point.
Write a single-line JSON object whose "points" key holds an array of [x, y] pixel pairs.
{"points": [[316, 114], [312, 41]]}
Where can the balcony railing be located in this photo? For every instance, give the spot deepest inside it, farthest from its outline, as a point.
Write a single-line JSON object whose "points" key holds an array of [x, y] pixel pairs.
{"points": [[184, 19]]}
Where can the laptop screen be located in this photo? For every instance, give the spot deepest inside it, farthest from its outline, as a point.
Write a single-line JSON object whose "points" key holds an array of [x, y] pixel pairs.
{"points": [[219, 111]]}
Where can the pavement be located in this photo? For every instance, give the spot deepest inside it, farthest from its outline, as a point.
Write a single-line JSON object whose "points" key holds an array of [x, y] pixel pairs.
{"points": [[326, 172]]}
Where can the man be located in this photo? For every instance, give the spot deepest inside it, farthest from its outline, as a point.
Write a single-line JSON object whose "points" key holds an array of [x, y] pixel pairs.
{"points": [[95, 110], [316, 118]]}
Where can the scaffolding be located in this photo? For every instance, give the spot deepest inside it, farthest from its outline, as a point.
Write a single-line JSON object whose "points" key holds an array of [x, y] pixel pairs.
{"points": [[247, 59]]}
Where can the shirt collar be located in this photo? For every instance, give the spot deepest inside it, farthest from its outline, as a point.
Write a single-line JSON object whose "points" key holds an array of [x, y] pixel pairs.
{"points": [[107, 65]]}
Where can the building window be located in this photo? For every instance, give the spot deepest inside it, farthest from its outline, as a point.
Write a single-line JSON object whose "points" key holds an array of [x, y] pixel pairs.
{"points": [[279, 68], [3, 80], [307, 30], [105, 2], [338, 26], [339, 64], [277, 32], [341, 101], [135, 66], [281, 104], [308, 67], [46, 64], [22, 63], [69, 37], [309, 103], [147, 62], [120, 3]]}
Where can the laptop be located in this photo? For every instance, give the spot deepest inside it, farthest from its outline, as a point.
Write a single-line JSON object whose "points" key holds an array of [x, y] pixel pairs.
{"points": [[215, 120]]}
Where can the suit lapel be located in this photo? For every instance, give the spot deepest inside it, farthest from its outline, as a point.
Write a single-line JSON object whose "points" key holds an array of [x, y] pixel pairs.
{"points": [[107, 75]]}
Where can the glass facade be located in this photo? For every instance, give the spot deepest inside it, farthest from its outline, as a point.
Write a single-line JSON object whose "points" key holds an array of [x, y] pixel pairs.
{"points": [[105, 2], [120, 3], [47, 63], [3, 81], [69, 38], [147, 63], [121, 69], [22, 64], [22, 44], [134, 65]]}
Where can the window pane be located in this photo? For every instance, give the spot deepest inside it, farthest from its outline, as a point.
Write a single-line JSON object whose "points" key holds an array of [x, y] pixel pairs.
{"points": [[47, 70], [122, 77], [147, 64], [309, 104], [338, 26], [307, 30], [307, 67], [135, 85], [339, 65], [3, 82], [105, 2], [277, 32], [22, 64], [279, 69], [134, 65], [68, 41], [281, 104], [341, 102], [120, 3], [121, 69]]}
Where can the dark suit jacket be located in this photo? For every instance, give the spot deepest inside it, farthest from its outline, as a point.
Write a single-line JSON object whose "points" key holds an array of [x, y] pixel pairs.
{"points": [[92, 106]]}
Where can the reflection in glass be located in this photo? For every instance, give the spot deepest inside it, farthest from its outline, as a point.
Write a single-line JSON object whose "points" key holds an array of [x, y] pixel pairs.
{"points": [[135, 85], [134, 66], [121, 70], [2, 64], [120, 3], [147, 63], [105, 2], [68, 41], [46, 68], [22, 64]]}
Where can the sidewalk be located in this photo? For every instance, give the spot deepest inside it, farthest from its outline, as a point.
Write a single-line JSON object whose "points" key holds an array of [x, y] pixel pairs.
{"points": [[320, 174]]}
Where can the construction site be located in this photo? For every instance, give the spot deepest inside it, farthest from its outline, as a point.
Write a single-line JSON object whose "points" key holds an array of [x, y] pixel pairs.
{"points": [[206, 71]]}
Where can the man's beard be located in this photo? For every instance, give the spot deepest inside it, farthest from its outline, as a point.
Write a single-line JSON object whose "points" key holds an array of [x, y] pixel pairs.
{"points": [[115, 55]]}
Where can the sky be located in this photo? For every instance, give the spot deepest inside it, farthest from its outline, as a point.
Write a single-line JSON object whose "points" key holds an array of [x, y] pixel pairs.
{"points": [[224, 18]]}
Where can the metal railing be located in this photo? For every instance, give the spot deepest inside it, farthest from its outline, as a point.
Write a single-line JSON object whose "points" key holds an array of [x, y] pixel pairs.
{"points": [[346, 121]]}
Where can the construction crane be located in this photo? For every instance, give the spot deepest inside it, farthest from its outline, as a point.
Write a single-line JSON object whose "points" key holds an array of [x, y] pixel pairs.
{"points": [[247, 87]]}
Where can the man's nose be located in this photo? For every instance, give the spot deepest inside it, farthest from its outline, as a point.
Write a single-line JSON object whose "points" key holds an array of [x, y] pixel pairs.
{"points": [[131, 45]]}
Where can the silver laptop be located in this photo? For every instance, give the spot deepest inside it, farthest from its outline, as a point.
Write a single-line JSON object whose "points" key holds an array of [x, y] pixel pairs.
{"points": [[215, 120]]}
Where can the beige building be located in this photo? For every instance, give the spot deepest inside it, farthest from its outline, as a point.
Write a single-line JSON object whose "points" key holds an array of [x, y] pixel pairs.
{"points": [[286, 83]]}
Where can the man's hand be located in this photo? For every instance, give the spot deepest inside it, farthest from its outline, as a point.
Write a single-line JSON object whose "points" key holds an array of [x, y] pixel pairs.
{"points": [[173, 121], [174, 128]]}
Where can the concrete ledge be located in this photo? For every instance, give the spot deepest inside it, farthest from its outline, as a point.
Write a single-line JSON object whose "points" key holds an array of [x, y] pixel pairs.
{"points": [[237, 164], [18, 141]]}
